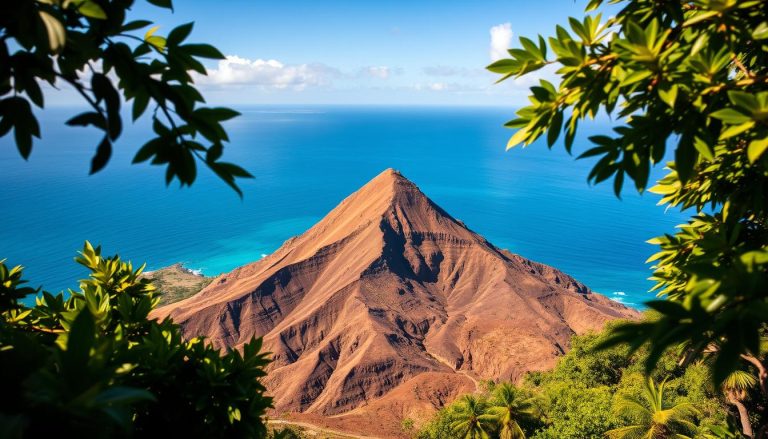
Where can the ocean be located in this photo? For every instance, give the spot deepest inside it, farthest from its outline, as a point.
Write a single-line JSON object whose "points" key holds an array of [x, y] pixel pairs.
{"points": [[306, 159]]}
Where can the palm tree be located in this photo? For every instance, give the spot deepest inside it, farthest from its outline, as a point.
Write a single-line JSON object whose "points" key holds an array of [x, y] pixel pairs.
{"points": [[735, 388], [509, 406], [655, 418], [472, 421]]}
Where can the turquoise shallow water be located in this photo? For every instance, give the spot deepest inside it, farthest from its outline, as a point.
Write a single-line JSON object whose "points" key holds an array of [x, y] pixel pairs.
{"points": [[531, 201]]}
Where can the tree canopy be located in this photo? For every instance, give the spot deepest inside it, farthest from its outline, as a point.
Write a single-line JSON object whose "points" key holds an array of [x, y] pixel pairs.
{"points": [[687, 80], [92, 47], [588, 393]]}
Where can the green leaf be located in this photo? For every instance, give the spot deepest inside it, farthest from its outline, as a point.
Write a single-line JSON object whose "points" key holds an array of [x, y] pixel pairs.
{"points": [[18, 113], [731, 116], [756, 149], [745, 101], [531, 48], [636, 76], [32, 88], [135, 25], [761, 31], [517, 123], [703, 148], [88, 118], [156, 42], [570, 133], [179, 34], [555, 125], [162, 3], [668, 94], [735, 130], [80, 340], [148, 150], [518, 137], [92, 9], [598, 150], [618, 182], [706, 15], [234, 170], [103, 153], [504, 66], [153, 40], [593, 4], [202, 51], [214, 152], [140, 102], [104, 90], [685, 158]]}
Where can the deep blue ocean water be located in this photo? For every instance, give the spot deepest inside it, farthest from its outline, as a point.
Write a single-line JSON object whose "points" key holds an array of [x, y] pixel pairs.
{"points": [[532, 201]]}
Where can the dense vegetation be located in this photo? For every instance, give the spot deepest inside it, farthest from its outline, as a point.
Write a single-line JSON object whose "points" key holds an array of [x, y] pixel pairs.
{"points": [[91, 47], [93, 364], [596, 394], [687, 79]]}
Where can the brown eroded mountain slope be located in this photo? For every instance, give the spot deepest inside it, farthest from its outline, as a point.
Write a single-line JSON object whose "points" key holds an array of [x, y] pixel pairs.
{"points": [[385, 288]]}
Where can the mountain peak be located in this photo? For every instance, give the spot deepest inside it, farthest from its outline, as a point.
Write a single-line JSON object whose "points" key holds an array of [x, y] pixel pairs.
{"points": [[390, 173], [389, 182], [388, 291], [389, 197]]}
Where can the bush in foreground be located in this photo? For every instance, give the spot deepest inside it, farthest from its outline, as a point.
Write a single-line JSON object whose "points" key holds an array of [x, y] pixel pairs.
{"points": [[93, 364]]}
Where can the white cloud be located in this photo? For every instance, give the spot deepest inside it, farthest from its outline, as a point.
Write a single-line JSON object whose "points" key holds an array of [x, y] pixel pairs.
{"points": [[501, 39], [380, 72], [438, 86], [268, 74], [450, 87]]}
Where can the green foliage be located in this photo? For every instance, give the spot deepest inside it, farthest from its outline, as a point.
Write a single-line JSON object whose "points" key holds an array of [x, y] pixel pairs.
{"points": [[95, 365], [511, 408], [505, 411], [91, 46], [439, 426], [407, 425], [471, 418], [692, 76], [575, 411], [286, 433], [653, 416], [582, 397]]}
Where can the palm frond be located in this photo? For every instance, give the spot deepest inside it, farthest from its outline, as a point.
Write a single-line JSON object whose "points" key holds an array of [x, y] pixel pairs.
{"points": [[739, 381], [627, 432]]}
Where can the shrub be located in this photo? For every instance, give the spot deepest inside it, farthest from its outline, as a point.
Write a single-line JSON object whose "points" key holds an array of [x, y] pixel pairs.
{"points": [[93, 364]]}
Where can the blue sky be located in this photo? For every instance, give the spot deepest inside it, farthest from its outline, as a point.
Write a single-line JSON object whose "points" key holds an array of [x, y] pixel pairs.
{"points": [[361, 52]]}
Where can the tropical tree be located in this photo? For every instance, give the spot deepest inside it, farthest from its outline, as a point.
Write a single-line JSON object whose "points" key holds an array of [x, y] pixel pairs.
{"points": [[93, 364], [510, 407], [736, 387], [472, 418], [572, 406], [688, 80], [653, 417], [91, 46]]}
